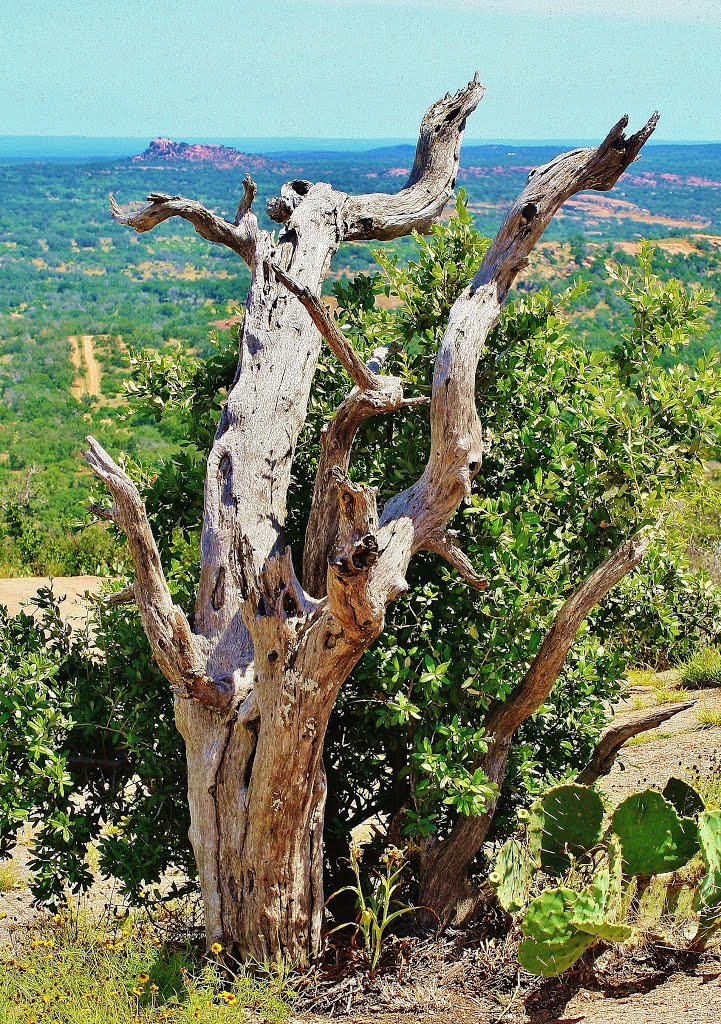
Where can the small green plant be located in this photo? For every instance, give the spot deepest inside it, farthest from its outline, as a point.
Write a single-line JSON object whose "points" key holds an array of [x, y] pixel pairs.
{"points": [[375, 910], [702, 669], [648, 737], [669, 695], [641, 678]]}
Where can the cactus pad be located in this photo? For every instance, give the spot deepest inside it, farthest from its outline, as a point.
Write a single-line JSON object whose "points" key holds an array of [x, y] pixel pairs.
{"points": [[654, 839], [565, 822], [684, 798], [591, 908], [552, 943], [511, 876], [707, 902]]}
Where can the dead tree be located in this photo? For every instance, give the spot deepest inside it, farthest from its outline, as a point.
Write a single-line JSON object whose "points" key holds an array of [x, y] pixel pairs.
{"points": [[257, 674]]}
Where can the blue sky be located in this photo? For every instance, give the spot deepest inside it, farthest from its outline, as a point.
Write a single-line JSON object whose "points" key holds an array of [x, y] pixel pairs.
{"points": [[341, 68]]}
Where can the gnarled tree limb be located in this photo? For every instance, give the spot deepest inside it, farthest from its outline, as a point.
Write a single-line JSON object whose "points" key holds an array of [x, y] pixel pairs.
{"points": [[239, 236], [613, 738], [350, 600], [374, 393], [350, 360], [124, 596], [177, 652], [457, 437], [432, 178], [336, 444]]}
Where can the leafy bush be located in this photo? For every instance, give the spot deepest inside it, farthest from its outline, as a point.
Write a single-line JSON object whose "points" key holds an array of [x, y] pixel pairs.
{"points": [[88, 752], [702, 669]]}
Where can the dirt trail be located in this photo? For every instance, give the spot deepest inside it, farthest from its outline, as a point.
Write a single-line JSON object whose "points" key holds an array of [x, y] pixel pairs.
{"points": [[88, 369]]}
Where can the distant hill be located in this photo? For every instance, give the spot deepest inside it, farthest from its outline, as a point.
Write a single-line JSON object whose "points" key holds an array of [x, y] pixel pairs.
{"points": [[165, 151]]}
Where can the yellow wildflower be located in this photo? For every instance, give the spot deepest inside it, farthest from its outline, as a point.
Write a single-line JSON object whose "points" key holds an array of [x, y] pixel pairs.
{"points": [[216, 948]]}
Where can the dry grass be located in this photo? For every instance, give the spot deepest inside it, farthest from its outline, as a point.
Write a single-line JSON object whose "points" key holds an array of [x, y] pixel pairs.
{"points": [[708, 718], [669, 695], [10, 876]]}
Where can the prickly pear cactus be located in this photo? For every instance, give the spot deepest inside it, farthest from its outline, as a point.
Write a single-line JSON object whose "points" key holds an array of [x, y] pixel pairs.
{"points": [[707, 901], [684, 798], [654, 839], [552, 943], [511, 876], [565, 822], [593, 907]]}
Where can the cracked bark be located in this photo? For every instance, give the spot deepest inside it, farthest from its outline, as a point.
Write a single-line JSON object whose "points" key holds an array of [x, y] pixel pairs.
{"points": [[258, 675]]}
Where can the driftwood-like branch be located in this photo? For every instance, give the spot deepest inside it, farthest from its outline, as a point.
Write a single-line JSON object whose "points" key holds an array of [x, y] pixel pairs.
{"points": [[336, 444], [443, 544], [374, 394], [613, 738], [504, 717], [322, 317], [250, 190], [457, 436], [280, 208], [175, 649], [240, 236], [124, 596], [432, 178]]}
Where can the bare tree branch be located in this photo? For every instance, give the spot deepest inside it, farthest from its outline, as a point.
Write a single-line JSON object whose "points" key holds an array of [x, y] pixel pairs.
{"points": [[443, 544], [613, 738], [336, 445], [292, 193], [457, 437], [432, 178], [322, 317], [446, 866], [250, 190], [355, 552], [175, 649], [124, 596], [504, 717], [240, 236]]}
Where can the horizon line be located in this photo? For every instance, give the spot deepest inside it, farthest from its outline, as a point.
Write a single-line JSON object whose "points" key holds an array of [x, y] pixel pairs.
{"points": [[373, 142]]}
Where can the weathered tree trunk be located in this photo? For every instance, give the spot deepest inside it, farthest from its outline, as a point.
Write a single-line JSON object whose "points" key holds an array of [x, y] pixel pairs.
{"points": [[258, 673]]}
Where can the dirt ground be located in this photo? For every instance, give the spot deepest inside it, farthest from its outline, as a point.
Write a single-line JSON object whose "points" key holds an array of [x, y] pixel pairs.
{"points": [[667, 987], [16, 593]]}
